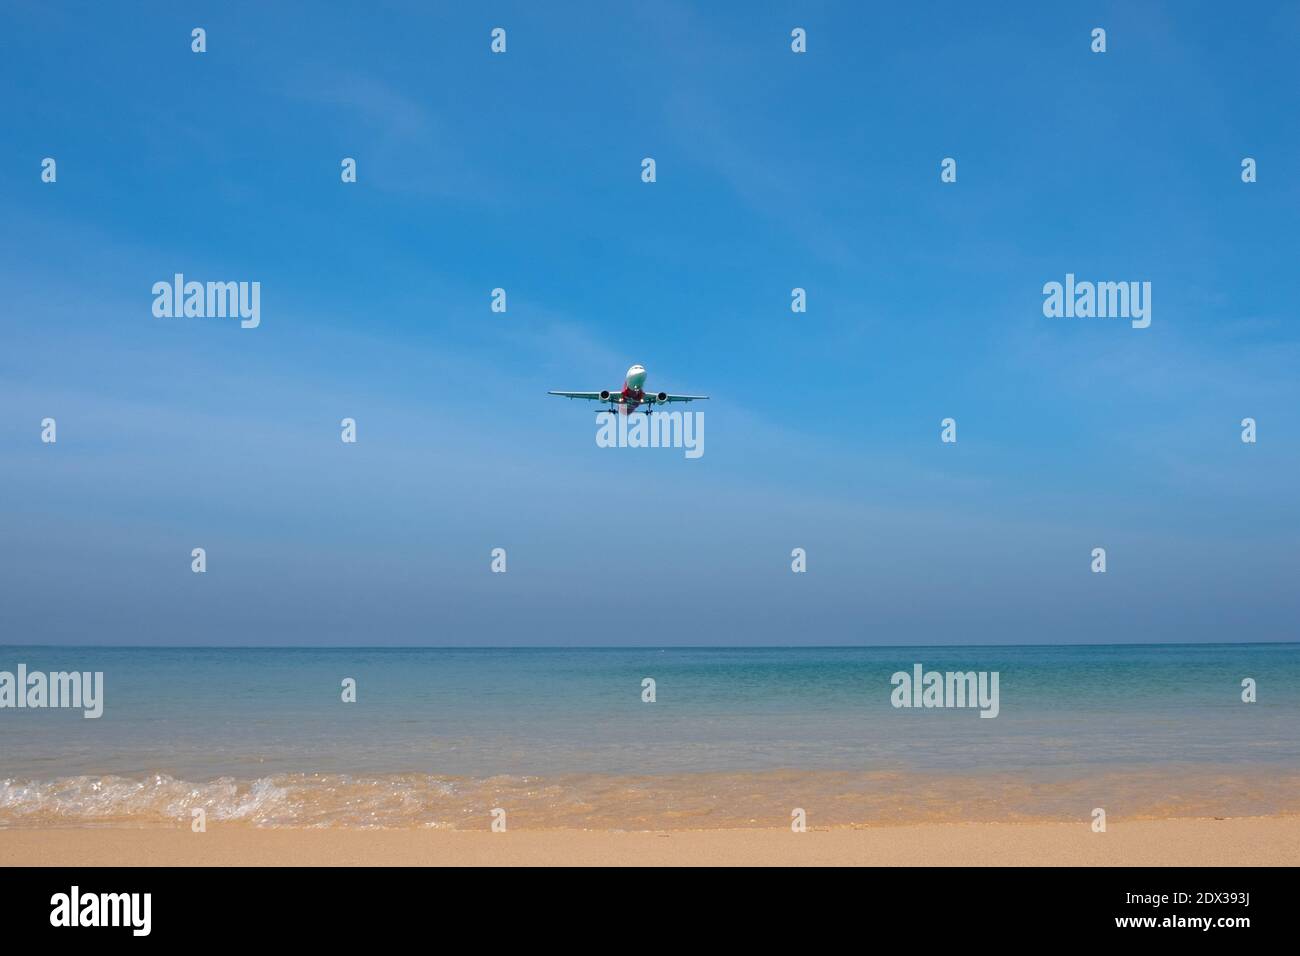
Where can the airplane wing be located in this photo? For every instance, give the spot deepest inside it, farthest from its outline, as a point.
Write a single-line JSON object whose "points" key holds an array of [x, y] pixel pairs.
{"points": [[651, 398], [592, 396]]}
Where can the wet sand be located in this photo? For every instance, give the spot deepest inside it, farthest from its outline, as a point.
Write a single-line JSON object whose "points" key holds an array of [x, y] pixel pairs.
{"points": [[1246, 841]]}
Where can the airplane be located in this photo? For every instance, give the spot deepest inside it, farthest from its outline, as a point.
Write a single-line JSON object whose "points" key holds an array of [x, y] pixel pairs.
{"points": [[633, 394]]}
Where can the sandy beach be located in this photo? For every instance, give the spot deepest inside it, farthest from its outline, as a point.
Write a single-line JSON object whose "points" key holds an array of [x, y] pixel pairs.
{"points": [[1248, 841]]}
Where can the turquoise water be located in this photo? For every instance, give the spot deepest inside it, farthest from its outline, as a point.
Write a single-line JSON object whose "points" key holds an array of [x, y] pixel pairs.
{"points": [[460, 717]]}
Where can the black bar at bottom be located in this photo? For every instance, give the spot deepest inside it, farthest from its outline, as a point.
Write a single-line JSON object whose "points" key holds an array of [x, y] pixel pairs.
{"points": [[328, 906]]}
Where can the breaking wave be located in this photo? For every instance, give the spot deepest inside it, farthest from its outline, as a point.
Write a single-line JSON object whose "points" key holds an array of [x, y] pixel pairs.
{"points": [[660, 801]]}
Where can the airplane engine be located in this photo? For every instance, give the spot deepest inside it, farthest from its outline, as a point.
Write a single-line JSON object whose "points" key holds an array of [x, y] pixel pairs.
{"points": [[662, 398], [604, 394]]}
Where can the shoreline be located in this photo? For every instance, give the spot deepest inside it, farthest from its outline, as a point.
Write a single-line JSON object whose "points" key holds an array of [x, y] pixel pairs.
{"points": [[1233, 841], [646, 802]]}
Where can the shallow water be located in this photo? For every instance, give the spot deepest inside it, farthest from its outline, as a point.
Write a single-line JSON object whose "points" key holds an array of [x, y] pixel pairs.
{"points": [[440, 737]]}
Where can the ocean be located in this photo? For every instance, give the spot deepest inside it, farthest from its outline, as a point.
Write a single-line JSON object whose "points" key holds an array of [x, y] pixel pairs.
{"points": [[441, 737]]}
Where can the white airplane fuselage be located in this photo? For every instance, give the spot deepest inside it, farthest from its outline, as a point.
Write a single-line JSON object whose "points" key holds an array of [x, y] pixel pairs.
{"points": [[633, 393]]}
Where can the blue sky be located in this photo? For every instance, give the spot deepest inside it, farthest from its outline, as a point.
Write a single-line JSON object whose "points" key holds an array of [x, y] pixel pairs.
{"points": [[775, 170]]}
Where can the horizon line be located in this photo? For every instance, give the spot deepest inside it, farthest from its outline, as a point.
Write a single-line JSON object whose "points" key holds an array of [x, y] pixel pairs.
{"points": [[629, 647]]}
